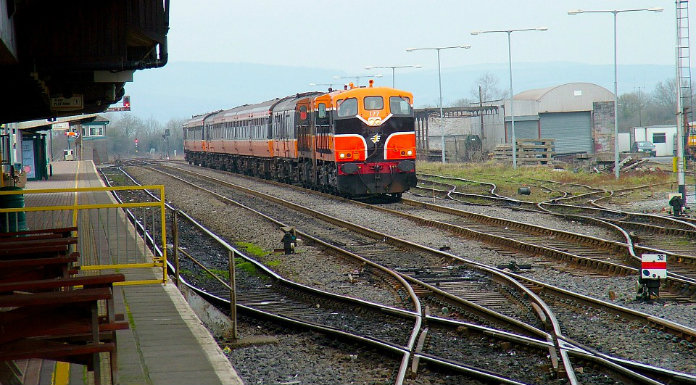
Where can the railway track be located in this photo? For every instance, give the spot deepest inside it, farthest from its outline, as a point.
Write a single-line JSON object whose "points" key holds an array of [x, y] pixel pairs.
{"points": [[271, 303], [655, 370], [643, 233]]}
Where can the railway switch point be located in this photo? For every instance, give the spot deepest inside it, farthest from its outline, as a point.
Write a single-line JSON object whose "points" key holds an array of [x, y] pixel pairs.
{"points": [[289, 240]]}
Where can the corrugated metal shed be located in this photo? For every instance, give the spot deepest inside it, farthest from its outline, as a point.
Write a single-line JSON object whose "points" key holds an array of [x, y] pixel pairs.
{"points": [[569, 97]]}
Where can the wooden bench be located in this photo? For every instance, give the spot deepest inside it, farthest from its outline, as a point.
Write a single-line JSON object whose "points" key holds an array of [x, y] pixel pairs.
{"points": [[26, 269], [62, 325]]}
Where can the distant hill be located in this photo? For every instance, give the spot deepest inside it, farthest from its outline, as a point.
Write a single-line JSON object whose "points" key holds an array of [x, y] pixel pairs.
{"points": [[182, 89]]}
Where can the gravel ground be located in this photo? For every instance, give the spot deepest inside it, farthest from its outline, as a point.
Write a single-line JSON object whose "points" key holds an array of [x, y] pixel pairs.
{"points": [[237, 225]]}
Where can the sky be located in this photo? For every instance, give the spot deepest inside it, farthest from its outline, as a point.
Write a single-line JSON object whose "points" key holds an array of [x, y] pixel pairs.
{"points": [[350, 35], [340, 39]]}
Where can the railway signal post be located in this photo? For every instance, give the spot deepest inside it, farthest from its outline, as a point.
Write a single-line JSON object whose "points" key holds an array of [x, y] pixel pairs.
{"points": [[653, 268]]}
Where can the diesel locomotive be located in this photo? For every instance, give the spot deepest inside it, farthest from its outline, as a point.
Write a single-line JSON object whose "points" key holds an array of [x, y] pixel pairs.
{"points": [[359, 141]]}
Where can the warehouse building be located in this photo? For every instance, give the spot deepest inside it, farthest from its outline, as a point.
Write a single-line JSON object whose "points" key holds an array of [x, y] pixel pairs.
{"points": [[578, 116]]}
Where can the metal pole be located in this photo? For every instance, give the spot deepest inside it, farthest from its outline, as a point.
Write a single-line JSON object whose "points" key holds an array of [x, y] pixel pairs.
{"points": [[393, 70], [512, 109], [442, 125], [175, 246], [616, 107], [233, 295], [680, 116]]}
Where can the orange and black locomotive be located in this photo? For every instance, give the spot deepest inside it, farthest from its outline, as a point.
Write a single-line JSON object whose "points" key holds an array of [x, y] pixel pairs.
{"points": [[352, 142]]}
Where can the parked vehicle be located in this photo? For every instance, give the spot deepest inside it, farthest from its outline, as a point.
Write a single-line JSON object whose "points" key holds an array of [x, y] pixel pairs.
{"points": [[644, 146]]}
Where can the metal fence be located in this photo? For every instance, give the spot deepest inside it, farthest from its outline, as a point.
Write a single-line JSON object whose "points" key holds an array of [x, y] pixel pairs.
{"points": [[111, 235]]}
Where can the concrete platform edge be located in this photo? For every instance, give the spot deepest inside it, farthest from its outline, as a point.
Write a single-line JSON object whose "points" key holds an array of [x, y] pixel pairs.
{"points": [[223, 367]]}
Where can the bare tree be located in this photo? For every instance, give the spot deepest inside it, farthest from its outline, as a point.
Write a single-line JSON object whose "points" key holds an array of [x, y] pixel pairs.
{"points": [[665, 93], [489, 88]]}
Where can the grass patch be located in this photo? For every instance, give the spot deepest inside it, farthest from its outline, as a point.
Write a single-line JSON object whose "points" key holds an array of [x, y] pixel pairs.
{"points": [[273, 263], [247, 266], [509, 180], [252, 249], [223, 274]]}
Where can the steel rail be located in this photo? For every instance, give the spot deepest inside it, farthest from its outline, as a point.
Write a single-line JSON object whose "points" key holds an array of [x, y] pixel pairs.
{"points": [[378, 343], [541, 308]]}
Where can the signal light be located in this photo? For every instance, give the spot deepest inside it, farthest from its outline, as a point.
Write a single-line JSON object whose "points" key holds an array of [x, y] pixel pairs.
{"points": [[126, 102]]}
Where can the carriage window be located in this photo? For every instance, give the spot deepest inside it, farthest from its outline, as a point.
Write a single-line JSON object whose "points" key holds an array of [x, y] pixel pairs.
{"points": [[399, 105], [322, 111], [348, 107], [373, 103]]}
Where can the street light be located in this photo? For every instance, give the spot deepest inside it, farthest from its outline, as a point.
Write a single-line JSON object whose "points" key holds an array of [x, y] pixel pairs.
{"points": [[616, 72], [395, 67], [439, 78], [512, 109], [357, 78]]}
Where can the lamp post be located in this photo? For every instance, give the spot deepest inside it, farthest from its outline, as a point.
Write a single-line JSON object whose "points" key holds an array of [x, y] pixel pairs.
{"points": [[616, 72], [512, 109], [358, 77], [393, 68], [439, 78]]}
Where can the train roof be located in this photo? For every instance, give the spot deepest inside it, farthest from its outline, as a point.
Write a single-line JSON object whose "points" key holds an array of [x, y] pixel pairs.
{"points": [[371, 91], [263, 109], [197, 120]]}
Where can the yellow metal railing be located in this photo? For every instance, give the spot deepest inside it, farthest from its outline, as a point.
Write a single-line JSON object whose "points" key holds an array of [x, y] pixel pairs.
{"points": [[111, 236]]}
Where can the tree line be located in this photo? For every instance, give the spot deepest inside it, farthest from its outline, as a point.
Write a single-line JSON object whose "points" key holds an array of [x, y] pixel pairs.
{"points": [[636, 109], [152, 136], [639, 108]]}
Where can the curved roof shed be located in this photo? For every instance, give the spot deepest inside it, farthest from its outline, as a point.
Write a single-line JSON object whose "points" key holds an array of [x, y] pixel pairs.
{"points": [[569, 97]]}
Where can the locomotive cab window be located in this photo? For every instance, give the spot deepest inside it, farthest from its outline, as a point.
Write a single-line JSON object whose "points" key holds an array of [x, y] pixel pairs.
{"points": [[399, 105], [373, 103], [348, 107]]}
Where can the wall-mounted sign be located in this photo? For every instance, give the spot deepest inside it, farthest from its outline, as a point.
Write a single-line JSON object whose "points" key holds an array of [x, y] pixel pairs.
{"points": [[67, 104], [60, 126]]}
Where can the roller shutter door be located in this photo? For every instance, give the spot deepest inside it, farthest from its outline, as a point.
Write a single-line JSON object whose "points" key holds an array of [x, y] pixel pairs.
{"points": [[572, 131], [524, 129]]}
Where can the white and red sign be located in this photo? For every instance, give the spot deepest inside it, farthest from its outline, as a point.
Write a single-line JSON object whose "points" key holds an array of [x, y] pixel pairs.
{"points": [[653, 266]]}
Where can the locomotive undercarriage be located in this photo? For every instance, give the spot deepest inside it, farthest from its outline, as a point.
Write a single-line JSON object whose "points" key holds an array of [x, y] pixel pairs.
{"points": [[301, 172]]}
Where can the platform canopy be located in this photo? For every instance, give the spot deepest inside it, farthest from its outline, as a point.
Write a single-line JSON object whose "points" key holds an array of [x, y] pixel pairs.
{"points": [[61, 58]]}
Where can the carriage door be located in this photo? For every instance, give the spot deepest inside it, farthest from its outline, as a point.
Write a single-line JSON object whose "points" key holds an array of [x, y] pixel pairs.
{"points": [[304, 132]]}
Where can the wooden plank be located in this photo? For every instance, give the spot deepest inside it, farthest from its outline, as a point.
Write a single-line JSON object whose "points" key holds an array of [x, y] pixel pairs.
{"points": [[19, 243], [6, 264], [51, 350], [33, 251], [55, 297], [89, 281], [64, 231]]}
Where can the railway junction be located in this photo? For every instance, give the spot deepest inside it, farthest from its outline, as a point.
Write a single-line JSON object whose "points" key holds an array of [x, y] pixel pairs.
{"points": [[429, 281], [155, 272]]}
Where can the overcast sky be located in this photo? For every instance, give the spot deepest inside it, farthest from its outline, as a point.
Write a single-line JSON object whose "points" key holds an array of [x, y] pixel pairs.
{"points": [[348, 35]]}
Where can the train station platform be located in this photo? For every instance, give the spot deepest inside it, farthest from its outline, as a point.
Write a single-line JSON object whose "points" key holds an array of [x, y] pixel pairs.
{"points": [[166, 343]]}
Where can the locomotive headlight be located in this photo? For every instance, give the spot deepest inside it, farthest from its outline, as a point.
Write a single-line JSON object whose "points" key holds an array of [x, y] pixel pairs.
{"points": [[409, 152], [342, 155]]}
